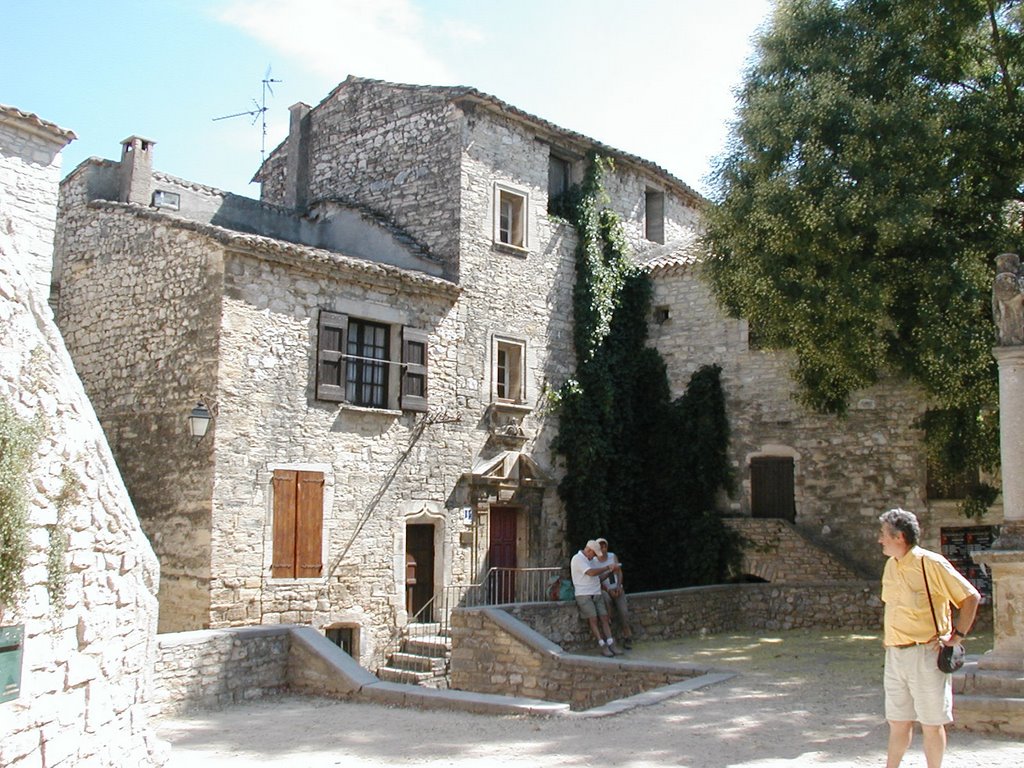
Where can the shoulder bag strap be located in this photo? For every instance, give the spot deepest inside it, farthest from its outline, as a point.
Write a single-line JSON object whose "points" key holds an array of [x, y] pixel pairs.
{"points": [[928, 592]]}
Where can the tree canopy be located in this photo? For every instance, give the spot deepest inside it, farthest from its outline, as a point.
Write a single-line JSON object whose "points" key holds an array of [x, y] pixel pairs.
{"points": [[874, 171]]}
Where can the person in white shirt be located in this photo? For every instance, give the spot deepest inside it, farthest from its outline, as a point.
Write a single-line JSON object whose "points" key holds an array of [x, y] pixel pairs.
{"points": [[615, 592], [586, 582]]}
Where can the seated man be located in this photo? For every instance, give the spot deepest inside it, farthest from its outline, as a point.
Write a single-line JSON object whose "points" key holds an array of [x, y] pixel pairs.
{"points": [[586, 581], [615, 592]]}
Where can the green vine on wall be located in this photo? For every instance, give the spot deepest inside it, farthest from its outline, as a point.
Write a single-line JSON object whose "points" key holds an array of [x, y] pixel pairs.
{"points": [[18, 440], [69, 495], [641, 470]]}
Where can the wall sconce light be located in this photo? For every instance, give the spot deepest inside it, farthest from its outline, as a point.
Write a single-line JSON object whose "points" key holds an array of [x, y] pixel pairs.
{"points": [[199, 421]]}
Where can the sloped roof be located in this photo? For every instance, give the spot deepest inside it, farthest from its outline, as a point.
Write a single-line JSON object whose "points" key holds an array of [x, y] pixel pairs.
{"points": [[508, 467], [285, 252], [674, 257], [33, 121]]}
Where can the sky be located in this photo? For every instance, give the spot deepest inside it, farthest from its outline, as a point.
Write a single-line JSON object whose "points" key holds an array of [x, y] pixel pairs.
{"points": [[655, 78]]}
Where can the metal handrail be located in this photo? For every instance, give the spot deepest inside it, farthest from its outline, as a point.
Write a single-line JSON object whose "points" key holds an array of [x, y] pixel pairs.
{"points": [[499, 586]]}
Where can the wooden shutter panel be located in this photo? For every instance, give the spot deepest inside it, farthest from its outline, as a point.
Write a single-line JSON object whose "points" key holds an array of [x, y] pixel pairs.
{"points": [[309, 525], [283, 565], [414, 370], [330, 368]]}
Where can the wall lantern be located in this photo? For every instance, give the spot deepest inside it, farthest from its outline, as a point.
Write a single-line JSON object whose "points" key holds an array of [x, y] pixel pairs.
{"points": [[199, 421]]}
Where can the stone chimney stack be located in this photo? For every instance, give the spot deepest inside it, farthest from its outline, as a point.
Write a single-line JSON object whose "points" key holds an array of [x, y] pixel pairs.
{"points": [[136, 170], [297, 168]]}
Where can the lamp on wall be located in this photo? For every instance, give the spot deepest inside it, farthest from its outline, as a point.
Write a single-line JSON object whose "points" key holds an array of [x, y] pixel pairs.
{"points": [[199, 421]]}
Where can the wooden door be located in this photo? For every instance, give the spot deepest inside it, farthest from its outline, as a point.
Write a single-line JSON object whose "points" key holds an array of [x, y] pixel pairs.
{"points": [[771, 488], [419, 551], [502, 588]]}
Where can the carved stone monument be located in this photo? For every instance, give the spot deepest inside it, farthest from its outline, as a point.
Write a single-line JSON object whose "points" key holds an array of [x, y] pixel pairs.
{"points": [[991, 693]]}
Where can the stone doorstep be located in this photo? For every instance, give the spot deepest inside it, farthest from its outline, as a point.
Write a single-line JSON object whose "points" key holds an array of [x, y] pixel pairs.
{"points": [[417, 662], [402, 675], [428, 645]]}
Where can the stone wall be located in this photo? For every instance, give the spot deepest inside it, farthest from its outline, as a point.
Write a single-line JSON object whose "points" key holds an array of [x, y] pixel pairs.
{"points": [[847, 470], [214, 668], [490, 655], [139, 310], [390, 148], [30, 169], [674, 613], [86, 671]]}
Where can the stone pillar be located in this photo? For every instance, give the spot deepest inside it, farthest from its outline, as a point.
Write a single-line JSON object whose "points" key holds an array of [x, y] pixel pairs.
{"points": [[1006, 558]]}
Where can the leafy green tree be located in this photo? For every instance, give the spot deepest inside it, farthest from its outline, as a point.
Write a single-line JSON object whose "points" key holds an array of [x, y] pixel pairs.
{"points": [[873, 173]]}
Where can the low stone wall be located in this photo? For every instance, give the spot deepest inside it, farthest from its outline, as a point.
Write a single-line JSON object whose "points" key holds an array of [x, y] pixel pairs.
{"points": [[213, 668], [668, 614], [494, 653]]}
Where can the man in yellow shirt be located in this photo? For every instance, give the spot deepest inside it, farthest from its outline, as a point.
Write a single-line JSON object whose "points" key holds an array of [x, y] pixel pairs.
{"points": [[916, 690]]}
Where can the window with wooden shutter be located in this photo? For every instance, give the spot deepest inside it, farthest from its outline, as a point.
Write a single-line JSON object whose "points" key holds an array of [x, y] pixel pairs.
{"points": [[414, 370], [330, 369], [298, 524]]}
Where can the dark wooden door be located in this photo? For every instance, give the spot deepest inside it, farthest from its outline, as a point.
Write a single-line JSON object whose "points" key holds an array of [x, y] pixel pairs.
{"points": [[419, 550], [771, 488], [503, 554]]}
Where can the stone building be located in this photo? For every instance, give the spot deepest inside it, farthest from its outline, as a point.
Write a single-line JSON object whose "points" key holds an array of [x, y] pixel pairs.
{"points": [[78, 644], [376, 337]]}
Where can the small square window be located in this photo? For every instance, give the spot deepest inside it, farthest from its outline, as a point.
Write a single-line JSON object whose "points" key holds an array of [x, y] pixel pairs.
{"points": [[164, 199], [508, 371], [654, 216], [510, 224]]}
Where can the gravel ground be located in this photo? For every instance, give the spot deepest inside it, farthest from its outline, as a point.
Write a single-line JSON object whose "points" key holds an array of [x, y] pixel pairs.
{"points": [[801, 699]]}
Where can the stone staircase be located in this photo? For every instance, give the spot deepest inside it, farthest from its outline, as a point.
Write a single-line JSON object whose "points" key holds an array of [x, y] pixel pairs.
{"points": [[777, 551], [988, 698], [422, 659]]}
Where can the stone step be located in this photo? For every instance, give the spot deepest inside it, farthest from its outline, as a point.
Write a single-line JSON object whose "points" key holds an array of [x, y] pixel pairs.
{"points": [[428, 645], [424, 628], [989, 714], [393, 675], [989, 682], [417, 662]]}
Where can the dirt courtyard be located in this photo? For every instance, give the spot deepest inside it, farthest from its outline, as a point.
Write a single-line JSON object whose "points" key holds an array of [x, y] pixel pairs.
{"points": [[800, 699]]}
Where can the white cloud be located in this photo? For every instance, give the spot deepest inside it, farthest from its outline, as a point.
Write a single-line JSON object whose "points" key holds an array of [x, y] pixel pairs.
{"points": [[335, 38]]}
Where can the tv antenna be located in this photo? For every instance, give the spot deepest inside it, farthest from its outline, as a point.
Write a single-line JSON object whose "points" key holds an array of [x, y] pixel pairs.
{"points": [[259, 112]]}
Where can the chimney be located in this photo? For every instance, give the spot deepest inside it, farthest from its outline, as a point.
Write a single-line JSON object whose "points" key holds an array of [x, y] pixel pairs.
{"points": [[136, 170], [296, 170]]}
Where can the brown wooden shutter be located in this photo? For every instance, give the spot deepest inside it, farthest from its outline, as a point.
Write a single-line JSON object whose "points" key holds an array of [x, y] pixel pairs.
{"points": [[771, 488], [414, 370], [283, 565], [309, 525], [330, 368]]}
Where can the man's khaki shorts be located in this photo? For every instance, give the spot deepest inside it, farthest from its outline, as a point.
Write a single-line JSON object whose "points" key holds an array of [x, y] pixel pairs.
{"points": [[915, 688], [591, 606]]}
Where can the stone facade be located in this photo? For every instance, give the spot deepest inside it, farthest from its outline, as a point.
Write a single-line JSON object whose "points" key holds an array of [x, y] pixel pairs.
{"points": [[846, 471], [407, 208], [198, 295], [86, 668]]}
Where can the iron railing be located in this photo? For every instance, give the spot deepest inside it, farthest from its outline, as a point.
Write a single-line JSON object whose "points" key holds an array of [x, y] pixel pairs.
{"points": [[499, 586]]}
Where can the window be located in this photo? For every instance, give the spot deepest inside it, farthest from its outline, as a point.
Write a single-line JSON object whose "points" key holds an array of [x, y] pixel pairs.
{"points": [[508, 371], [509, 216], [355, 363], [298, 524], [654, 215], [771, 487], [366, 364], [559, 182]]}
